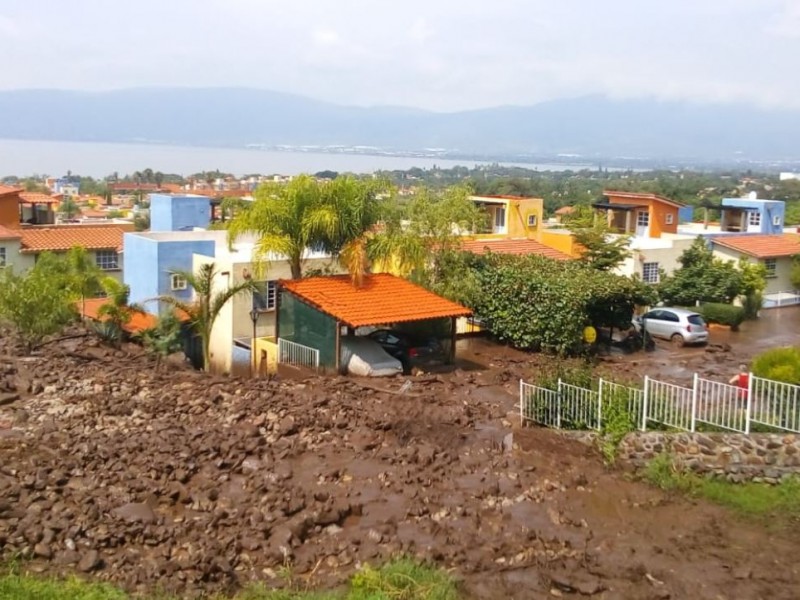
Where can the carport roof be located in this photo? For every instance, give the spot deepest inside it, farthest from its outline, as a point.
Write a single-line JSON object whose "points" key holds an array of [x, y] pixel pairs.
{"points": [[381, 299]]}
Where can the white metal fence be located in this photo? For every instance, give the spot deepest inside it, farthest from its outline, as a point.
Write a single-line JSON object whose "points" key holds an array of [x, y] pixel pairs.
{"points": [[298, 355], [705, 404]]}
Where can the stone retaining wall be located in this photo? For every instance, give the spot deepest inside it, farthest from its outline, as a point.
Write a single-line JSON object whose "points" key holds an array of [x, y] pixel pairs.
{"points": [[735, 456]]}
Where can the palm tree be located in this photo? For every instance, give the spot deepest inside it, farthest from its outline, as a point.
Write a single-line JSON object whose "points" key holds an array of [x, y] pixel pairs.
{"points": [[116, 310], [202, 311], [83, 274], [338, 217]]}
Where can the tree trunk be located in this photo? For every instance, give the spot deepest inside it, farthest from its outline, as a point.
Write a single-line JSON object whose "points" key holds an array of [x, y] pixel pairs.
{"points": [[296, 267]]}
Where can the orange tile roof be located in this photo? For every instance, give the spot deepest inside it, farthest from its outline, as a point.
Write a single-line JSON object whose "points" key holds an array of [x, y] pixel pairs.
{"points": [[8, 234], [641, 196], [7, 189], [382, 299], [565, 210], [513, 246], [762, 246], [60, 238], [139, 320], [37, 198]]}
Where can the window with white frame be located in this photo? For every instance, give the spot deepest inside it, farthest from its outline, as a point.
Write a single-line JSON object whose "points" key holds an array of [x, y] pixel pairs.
{"points": [[771, 265], [265, 296], [650, 272], [500, 217], [754, 218], [2, 257], [670, 218], [642, 218], [776, 220], [107, 260], [177, 282]]}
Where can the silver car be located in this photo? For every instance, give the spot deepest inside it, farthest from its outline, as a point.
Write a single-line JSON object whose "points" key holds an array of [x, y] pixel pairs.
{"points": [[678, 325]]}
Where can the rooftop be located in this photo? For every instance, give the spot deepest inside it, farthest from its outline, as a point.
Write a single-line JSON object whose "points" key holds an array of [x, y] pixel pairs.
{"points": [[641, 196], [762, 246], [9, 234], [38, 198], [7, 189], [382, 299], [139, 321], [61, 238], [512, 246]]}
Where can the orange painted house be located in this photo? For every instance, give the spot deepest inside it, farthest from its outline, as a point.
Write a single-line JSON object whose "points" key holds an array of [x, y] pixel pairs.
{"points": [[640, 214]]}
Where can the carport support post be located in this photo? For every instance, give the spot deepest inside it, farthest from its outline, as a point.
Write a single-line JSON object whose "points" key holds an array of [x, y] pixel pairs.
{"points": [[452, 340], [338, 348]]}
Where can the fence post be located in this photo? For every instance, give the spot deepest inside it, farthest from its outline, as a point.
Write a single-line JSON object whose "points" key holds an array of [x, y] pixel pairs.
{"points": [[521, 403], [600, 405], [558, 405], [695, 384], [748, 403], [645, 398]]}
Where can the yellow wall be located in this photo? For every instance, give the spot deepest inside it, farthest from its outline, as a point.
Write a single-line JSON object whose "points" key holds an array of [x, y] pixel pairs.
{"points": [[517, 216], [266, 347], [561, 241]]}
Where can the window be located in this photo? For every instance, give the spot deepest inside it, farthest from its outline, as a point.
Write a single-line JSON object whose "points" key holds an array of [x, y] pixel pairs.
{"points": [[642, 218], [776, 220], [754, 219], [107, 260], [532, 220], [265, 296], [2, 257], [500, 216], [670, 218], [771, 264], [650, 272], [177, 282]]}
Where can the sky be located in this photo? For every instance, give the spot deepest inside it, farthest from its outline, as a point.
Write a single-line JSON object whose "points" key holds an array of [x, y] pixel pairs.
{"points": [[443, 55]]}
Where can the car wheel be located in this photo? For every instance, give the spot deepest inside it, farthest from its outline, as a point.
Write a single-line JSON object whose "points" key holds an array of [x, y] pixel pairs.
{"points": [[677, 340]]}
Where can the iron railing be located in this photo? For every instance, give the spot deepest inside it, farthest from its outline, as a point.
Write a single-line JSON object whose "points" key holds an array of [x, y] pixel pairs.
{"points": [[298, 355]]}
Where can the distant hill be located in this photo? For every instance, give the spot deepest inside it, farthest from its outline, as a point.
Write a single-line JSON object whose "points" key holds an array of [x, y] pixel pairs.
{"points": [[591, 126]]}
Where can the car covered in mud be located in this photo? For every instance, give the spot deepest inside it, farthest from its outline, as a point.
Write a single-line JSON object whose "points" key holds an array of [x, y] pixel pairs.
{"points": [[678, 325]]}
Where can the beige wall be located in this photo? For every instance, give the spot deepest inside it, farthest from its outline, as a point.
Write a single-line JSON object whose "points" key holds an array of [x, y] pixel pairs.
{"points": [[667, 258], [13, 257], [234, 320], [782, 282]]}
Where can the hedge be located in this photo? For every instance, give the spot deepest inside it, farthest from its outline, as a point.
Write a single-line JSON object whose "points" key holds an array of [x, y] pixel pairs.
{"points": [[724, 314]]}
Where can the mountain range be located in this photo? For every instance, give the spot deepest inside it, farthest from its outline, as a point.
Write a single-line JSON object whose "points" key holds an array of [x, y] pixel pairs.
{"points": [[589, 126]]}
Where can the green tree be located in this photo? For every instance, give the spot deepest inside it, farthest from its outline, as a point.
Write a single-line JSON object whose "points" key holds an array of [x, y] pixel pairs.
{"points": [[115, 313], [76, 272], [202, 311], [602, 251], [163, 339], [795, 273], [34, 304], [68, 208], [307, 214], [701, 278]]}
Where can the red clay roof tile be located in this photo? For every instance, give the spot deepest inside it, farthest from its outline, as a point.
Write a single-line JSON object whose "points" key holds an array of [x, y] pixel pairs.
{"points": [[762, 246], [61, 238], [513, 246], [139, 321], [641, 196], [382, 299], [8, 234]]}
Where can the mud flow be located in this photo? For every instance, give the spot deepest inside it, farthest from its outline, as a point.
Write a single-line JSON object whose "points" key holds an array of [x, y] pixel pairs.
{"points": [[193, 484]]}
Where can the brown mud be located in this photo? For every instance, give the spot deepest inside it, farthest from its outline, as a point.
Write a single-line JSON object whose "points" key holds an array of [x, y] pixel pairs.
{"points": [[194, 484]]}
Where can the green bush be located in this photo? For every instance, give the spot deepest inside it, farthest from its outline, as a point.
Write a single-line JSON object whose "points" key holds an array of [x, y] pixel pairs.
{"points": [[752, 303], [780, 364], [724, 314]]}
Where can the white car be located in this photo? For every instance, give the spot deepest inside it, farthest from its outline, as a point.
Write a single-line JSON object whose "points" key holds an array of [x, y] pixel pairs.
{"points": [[678, 325]]}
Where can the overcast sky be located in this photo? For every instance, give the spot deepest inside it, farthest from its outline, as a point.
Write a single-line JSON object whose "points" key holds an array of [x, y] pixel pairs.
{"points": [[437, 54]]}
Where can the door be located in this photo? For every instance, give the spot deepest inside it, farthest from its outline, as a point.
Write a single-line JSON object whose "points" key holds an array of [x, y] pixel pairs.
{"points": [[642, 223], [654, 323]]}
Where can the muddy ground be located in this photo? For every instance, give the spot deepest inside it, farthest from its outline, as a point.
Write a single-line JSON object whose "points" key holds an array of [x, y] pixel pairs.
{"points": [[194, 484]]}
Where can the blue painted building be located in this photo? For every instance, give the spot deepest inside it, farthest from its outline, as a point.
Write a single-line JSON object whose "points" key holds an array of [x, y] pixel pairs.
{"points": [[174, 212], [752, 215], [150, 259]]}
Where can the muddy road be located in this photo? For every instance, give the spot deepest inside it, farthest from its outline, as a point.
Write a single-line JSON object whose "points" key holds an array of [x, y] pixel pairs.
{"points": [[196, 484]]}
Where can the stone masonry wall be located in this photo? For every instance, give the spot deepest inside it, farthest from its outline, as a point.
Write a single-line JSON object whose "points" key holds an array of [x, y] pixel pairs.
{"points": [[737, 457]]}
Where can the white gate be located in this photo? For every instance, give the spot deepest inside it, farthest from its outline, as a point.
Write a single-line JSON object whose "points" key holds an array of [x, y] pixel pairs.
{"points": [[775, 403], [539, 405], [580, 407], [722, 405], [298, 355]]}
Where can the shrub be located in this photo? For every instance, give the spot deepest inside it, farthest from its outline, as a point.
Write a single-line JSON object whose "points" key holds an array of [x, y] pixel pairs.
{"points": [[724, 314], [780, 364], [752, 303]]}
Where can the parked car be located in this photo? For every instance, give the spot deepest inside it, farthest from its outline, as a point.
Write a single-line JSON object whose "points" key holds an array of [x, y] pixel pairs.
{"points": [[406, 348], [678, 325], [365, 357]]}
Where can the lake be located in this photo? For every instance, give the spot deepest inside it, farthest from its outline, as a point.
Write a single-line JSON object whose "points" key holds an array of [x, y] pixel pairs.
{"points": [[28, 157]]}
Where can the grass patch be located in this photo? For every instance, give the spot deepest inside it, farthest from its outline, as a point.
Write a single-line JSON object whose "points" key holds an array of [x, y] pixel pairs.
{"points": [[398, 580], [751, 499]]}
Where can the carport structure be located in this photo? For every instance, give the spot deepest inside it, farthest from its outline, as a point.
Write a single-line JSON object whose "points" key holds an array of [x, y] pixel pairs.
{"points": [[317, 311]]}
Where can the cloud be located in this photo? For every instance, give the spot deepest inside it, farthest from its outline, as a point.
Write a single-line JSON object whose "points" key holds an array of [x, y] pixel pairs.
{"points": [[444, 55]]}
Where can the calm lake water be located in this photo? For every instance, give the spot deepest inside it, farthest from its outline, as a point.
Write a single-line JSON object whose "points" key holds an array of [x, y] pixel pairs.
{"points": [[25, 157]]}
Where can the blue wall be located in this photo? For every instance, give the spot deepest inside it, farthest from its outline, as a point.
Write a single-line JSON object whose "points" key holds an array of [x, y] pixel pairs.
{"points": [[769, 209], [179, 213], [148, 264]]}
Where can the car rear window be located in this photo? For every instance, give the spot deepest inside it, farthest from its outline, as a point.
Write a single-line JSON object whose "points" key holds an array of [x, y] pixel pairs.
{"points": [[695, 320]]}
